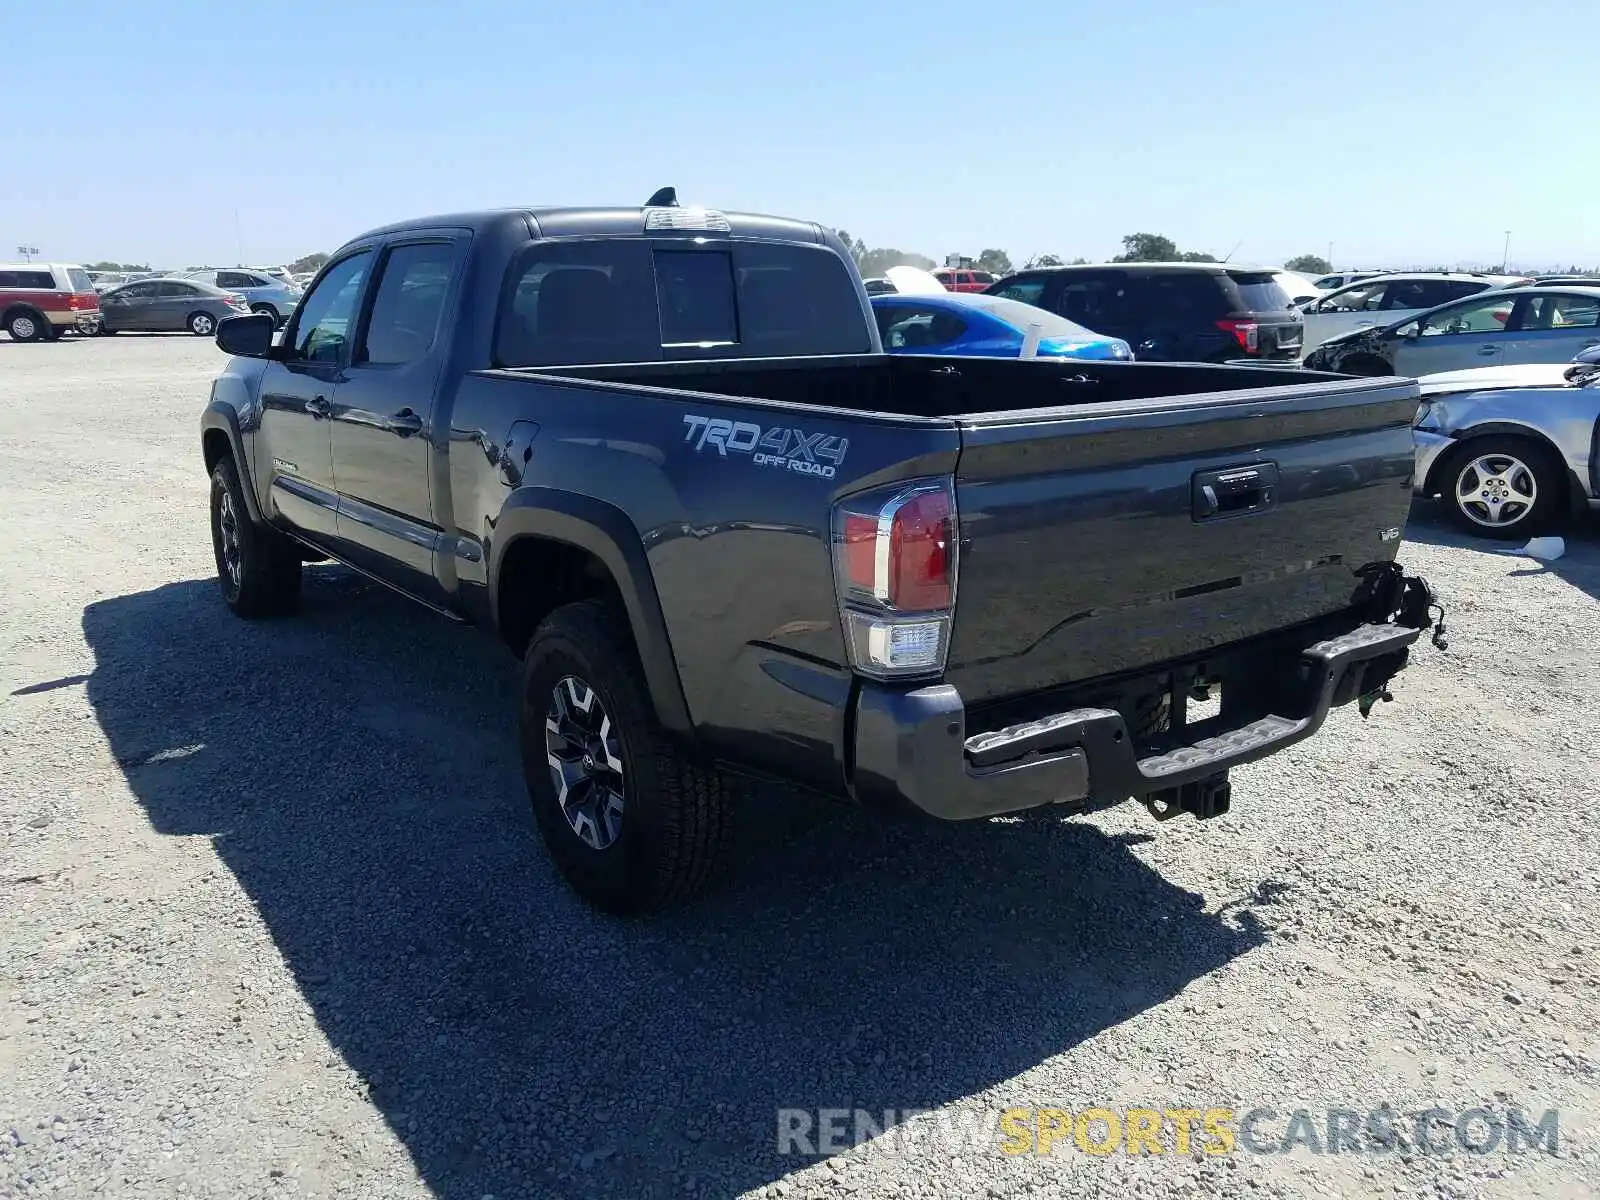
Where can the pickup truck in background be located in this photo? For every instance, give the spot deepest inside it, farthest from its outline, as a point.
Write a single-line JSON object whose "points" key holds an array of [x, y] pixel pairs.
{"points": [[660, 452]]}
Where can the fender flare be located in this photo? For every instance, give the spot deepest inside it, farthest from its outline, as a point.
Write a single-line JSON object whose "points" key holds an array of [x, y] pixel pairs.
{"points": [[219, 415], [606, 532]]}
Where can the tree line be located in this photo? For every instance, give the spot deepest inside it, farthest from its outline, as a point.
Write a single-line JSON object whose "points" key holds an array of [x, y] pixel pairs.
{"points": [[1136, 247]]}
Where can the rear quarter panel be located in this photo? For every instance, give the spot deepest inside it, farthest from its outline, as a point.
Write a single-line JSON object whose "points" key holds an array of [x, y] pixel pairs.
{"points": [[738, 550]]}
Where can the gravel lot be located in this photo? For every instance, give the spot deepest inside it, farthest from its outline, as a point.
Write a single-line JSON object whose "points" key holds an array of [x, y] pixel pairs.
{"points": [[276, 922]]}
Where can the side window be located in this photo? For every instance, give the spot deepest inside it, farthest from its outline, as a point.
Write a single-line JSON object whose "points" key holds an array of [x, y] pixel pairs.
{"points": [[918, 327], [983, 277], [1489, 315], [1561, 312], [408, 304], [137, 291], [1460, 289], [1364, 297], [233, 279], [1419, 293], [322, 322], [1093, 301], [176, 291], [1027, 289], [9, 279]]}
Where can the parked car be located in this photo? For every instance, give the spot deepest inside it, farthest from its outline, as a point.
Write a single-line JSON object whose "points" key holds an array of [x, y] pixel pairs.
{"points": [[1388, 298], [962, 279], [40, 301], [106, 279], [650, 429], [169, 306], [1339, 279], [990, 326], [1300, 289], [1510, 449], [1502, 326], [1572, 280], [265, 293], [1170, 312]]}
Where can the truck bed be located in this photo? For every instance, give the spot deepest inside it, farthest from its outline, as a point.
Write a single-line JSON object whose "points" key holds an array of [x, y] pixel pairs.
{"points": [[1087, 548], [926, 386]]}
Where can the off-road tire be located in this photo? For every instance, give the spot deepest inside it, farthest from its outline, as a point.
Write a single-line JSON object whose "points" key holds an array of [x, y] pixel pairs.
{"points": [[268, 583], [677, 822]]}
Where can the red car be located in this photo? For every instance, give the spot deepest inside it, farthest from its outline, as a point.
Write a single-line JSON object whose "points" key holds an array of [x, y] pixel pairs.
{"points": [[960, 279], [38, 301]]}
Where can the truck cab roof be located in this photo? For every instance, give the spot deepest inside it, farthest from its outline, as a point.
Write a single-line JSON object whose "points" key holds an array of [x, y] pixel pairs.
{"points": [[553, 221]]}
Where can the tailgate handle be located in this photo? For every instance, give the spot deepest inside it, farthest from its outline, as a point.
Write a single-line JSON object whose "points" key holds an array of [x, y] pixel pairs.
{"points": [[1234, 491]]}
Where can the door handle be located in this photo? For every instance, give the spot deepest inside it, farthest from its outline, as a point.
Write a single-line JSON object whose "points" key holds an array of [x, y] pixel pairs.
{"points": [[1487, 351], [405, 423], [319, 407]]}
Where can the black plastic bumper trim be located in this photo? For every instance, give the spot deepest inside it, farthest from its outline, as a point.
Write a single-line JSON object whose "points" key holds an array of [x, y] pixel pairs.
{"points": [[911, 747]]}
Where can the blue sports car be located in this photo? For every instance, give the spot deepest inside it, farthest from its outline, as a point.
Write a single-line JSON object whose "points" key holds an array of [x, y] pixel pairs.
{"points": [[985, 326]]}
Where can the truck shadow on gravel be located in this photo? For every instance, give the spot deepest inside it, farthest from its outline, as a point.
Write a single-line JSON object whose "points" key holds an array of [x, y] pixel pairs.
{"points": [[1579, 565], [356, 770]]}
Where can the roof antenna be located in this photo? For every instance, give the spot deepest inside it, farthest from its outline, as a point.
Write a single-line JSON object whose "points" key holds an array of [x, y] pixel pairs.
{"points": [[667, 197]]}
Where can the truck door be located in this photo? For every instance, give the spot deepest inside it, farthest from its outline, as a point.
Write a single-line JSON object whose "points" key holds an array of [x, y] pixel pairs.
{"points": [[297, 391], [382, 426]]}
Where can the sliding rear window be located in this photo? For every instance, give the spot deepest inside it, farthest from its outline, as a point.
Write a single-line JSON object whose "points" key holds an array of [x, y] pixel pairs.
{"points": [[638, 300]]}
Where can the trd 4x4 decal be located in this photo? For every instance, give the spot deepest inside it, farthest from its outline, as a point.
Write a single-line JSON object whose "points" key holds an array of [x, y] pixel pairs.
{"points": [[780, 446]]}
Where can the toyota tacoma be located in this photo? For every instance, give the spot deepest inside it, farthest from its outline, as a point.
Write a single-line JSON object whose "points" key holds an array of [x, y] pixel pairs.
{"points": [[660, 452]]}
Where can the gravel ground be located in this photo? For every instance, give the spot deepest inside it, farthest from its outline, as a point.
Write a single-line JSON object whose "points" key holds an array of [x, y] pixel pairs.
{"points": [[276, 922]]}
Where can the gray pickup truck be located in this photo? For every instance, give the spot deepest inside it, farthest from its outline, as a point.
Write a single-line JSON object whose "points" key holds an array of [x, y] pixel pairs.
{"points": [[659, 451]]}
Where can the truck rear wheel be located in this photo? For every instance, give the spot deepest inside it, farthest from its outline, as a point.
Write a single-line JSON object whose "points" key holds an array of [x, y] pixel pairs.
{"points": [[632, 822]]}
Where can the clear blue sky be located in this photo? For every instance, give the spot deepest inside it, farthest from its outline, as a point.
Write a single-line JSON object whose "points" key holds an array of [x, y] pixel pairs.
{"points": [[1398, 132]]}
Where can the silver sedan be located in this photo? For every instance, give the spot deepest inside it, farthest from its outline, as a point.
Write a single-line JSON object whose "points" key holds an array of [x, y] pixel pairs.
{"points": [[168, 306], [1511, 450]]}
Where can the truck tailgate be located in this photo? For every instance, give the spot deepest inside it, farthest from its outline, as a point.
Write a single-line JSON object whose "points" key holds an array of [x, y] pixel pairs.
{"points": [[1109, 538]]}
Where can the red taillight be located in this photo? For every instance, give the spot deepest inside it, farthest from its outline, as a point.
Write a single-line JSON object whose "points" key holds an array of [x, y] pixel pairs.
{"points": [[895, 561], [1246, 333], [919, 553], [860, 550]]}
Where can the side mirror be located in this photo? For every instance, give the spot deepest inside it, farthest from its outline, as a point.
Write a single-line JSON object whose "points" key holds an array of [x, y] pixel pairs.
{"points": [[247, 337], [1410, 332]]}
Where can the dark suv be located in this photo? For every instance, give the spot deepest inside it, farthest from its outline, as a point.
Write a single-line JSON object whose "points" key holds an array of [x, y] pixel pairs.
{"points": [[1172, 312]]}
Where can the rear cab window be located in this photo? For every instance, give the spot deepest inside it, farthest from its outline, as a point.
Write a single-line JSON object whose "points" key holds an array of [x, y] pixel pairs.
{"points": [[628, 300]]}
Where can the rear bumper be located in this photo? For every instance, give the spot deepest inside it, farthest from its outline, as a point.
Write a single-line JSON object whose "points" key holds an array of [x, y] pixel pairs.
{"points": [[912, 748], [87, 320]]}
